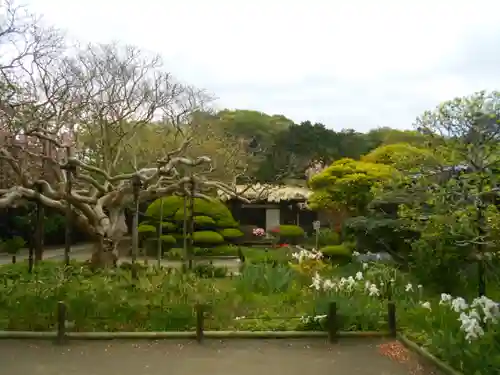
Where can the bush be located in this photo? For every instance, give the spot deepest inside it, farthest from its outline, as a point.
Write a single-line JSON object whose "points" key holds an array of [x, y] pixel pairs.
{"points": [[146, 228], [221, 250], [209, 271], [168, 227], [168, 241], [173, 206], [231, 234], [340, 254], [327, 237], [289, 233], [207, 237], [12, 245], [204, 222]]}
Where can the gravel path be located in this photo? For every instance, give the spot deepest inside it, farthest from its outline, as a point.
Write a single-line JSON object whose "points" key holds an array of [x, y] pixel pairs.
{"points": [[242, 357]]}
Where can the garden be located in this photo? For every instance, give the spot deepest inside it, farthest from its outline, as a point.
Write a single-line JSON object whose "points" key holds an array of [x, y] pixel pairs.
{"points": [[409, 236]]}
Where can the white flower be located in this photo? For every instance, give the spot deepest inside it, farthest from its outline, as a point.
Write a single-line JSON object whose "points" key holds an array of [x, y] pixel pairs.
{"points": [[458, 304], [329, 284], [239, 318], [489, 307], [409, 288], [373, 290], [316, 281], [419, 286], [470, 325], [365, 266], [426, 305], [445, 298], [359, 276], [355, 253]]}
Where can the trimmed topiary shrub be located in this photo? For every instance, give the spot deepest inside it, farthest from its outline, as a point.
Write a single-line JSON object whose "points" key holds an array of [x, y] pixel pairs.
{"points": [[204, 222], [207, 237], [220, 250], [173, 206], [339, 254], [231, 234], [292, 234], [146, 228], [168, 240], [326, 237], [151, 244], [168, 227]]}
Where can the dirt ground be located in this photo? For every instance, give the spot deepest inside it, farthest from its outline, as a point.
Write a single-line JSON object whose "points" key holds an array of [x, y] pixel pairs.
{"points": [[214, 357]]}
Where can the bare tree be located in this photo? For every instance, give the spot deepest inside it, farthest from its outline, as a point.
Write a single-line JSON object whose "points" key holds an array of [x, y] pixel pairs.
{"points": [[82, 120]]}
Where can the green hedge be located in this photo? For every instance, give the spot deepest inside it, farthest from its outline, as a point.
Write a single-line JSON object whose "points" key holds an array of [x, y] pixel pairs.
{"points": [[231, 234], [207, 237], [204, 222], [173, 207], [290, 231], [338, 253]]}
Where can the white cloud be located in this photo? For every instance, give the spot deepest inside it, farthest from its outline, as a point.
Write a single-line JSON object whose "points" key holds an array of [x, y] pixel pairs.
{"points": [[348, 64]]}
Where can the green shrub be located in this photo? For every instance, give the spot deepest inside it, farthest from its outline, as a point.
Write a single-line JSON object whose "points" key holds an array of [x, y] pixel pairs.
{"points": [[146, 228], [327, 237], [338, 253], [168, 226], [209, 271], [173, 206], [231, 234], [12, 245], [207, 237], [221, 250], [204, 221], [168, 240], [289, 233]]}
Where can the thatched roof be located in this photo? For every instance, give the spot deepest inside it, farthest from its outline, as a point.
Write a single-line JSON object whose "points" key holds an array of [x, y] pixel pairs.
{"points": [[269, 193]]}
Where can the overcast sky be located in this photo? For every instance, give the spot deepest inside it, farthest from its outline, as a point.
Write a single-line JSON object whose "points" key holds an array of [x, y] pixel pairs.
{"points": [[348, 64]]}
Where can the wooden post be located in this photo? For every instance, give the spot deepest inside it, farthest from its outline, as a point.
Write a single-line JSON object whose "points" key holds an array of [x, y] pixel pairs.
{"points": [[199, 322], [136, 186], [331, 322], [69, 212], [391, 318], [191, 225], [39, 229], [184, 235], [160, 232], [61, 323]]}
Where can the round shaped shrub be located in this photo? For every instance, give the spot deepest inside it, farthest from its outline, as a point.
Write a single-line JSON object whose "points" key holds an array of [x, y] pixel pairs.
{"points": [[207, 237], [168, 240], [168, 226], [174, 206], [327, 237], [289, 233], [146, 228], [231, 234], [204, 221], [338, 253]]}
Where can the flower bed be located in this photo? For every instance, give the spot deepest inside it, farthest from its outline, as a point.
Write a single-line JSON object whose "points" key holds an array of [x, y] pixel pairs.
{"points": [[264, 297]]}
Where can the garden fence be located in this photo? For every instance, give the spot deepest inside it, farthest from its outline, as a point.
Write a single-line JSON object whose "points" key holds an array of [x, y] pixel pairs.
{"points": [[200, 313]]}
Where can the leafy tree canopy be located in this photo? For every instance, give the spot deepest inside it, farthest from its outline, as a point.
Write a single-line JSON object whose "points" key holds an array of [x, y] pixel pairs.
{"points": [[348, 184]]}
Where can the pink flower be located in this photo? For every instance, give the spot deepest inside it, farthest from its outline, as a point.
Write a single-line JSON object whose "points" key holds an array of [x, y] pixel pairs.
{"points": [[259, 232]]}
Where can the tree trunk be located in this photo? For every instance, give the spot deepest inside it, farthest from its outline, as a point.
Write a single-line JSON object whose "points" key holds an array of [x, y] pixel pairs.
{"points": [[104, 253]]}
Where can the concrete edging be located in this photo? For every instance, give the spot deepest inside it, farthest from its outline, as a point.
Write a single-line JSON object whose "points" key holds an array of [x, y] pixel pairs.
{"points": [[414, 347], [187, 335]]}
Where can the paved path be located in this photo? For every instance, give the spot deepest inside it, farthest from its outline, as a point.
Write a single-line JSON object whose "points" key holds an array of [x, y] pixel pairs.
{"points": [[242, 357], [48, 254], [83, 252]]}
